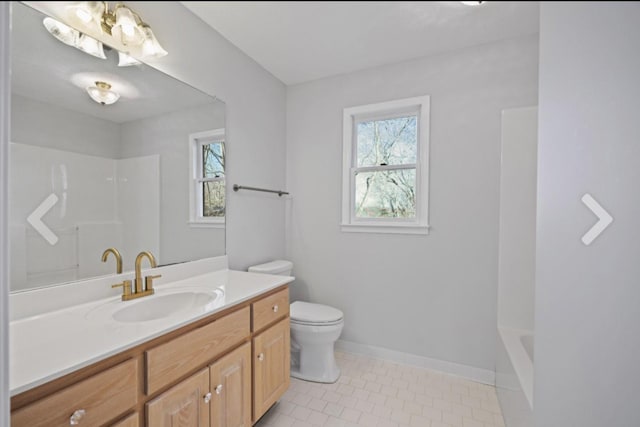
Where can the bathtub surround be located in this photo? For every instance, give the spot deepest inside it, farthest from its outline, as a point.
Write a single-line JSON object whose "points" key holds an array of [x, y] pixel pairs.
{"points": [[516, 265], [434, 296], [587, 315]]}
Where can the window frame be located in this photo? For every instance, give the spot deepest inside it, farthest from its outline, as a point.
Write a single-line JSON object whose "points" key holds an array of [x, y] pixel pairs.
{"points": [[196, 179], [419, 106]]}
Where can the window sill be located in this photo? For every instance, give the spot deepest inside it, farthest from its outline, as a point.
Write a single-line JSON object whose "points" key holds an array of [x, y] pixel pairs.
{"points": [[206, 224], [385, 228]]}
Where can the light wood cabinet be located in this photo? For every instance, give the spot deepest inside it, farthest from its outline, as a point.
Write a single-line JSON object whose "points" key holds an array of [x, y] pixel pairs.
{"points": [[184, 405], [132, 420], [271, 362], [231, 388], [269, 309], [226, 370], [91, 402], [168, 362]]}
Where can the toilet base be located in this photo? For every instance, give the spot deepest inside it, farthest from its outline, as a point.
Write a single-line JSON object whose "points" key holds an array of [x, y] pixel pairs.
{"points": [[326, 379]]}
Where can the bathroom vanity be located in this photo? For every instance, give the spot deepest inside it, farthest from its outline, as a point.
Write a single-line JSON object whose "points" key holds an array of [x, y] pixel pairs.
{"points": [[221, 361]]}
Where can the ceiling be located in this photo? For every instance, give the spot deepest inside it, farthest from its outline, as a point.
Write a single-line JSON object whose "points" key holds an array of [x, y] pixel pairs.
{"points": [[46, 70], [302, 41]]}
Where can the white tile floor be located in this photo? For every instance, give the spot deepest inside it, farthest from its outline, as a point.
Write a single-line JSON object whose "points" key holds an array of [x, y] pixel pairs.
{"points": [[378, 393]]}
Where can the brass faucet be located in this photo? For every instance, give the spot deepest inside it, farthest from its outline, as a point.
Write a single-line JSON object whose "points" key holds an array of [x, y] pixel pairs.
{"points": [[116, 254], [138, 292], [148, 280]]}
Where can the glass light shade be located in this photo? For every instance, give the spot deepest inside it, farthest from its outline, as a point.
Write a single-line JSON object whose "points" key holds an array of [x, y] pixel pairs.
{"points": [[151, 47], [88, 11], [64, 33], [125, 60], [102, 93], [91, 46], [126, 28]]}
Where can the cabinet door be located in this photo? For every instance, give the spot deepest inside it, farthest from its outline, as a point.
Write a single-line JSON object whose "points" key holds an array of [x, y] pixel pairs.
{"points": [[231, 389], [271, 366], [184, 405], [130, 421]]}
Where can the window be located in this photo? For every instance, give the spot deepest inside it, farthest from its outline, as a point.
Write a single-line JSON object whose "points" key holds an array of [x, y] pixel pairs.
{"points": [[207, 178], [385, 167]]}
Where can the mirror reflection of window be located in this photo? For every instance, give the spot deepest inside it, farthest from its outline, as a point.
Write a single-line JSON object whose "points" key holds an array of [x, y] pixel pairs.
{"points": [[207, 202], [213, 179]]}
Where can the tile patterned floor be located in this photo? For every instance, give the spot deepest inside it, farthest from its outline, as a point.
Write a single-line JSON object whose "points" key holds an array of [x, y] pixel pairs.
{"points": [[378, 393]]}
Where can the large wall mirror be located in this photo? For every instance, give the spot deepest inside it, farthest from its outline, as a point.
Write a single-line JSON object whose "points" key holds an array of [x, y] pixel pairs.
{"points": [[144, 173]]}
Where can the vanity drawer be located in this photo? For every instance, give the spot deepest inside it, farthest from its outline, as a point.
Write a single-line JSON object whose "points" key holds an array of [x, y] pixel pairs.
{"points": [[270, 309], [102, 397], [170, 361]]}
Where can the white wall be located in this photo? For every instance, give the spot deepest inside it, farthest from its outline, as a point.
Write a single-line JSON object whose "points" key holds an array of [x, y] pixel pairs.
{"points": [[62, 129], [168, 136], [435, 295], [587, 297], [255, 123], [517, 244]]}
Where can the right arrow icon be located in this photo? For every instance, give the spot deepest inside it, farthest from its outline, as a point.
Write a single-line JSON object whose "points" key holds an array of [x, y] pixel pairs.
{"points": [[604, 219]]}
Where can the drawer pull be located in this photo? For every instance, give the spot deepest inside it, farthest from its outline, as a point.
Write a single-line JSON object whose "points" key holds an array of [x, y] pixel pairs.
{"points": [[275, 308], [207, 397], [75, 418], [261, 357], [219, 389]]}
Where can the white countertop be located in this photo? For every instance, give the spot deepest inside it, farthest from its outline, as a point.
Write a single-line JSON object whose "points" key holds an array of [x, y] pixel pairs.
{"points": [[49, 345]]}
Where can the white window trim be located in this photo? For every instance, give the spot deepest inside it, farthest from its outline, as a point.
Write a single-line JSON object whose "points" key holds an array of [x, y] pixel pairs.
{"points": [[420, 106], [196, 140]]}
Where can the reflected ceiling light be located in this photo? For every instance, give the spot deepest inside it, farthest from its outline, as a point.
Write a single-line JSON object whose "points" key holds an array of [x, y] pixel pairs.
{"points": [[64, 33], [122, 23], [126, 28], [91, 46], [125, 60], [150, 47], [88, 11], [75, 38], [102, 93]]}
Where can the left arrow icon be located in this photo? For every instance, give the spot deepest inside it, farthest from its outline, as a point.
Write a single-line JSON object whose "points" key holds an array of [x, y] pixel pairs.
{"points": [[35, 219]]}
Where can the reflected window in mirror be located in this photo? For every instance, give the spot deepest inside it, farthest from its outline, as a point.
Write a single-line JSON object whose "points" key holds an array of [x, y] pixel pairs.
{"points": [[207, 187]]}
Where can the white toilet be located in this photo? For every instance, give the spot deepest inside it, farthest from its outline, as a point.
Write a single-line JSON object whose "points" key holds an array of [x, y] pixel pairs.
{"points": [[314, 330]]}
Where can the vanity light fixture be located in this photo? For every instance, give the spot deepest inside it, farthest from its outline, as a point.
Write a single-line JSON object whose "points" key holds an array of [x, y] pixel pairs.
{"points": [[75, 38], [120, 22], [102, 93]]}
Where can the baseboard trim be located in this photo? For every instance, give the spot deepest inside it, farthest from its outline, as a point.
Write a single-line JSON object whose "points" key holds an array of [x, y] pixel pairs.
{"points": [[472, 373]]}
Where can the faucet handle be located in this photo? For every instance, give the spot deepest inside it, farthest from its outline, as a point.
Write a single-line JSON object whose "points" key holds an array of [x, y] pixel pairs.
{"points": [[126, 288], [148, 282]]}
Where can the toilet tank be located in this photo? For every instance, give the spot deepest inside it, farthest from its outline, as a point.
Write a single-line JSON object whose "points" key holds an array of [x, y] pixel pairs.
{"points": [[280, 267]]}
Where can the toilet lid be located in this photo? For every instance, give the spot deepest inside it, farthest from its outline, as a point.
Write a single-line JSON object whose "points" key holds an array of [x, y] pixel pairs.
{"points": [[314, 313]]}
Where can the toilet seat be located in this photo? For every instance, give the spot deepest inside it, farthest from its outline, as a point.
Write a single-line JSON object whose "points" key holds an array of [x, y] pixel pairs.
{"points": [[305, 313]]}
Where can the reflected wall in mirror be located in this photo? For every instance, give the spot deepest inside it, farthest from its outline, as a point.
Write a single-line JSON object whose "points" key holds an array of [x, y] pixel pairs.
{"points": [[85, 176]]}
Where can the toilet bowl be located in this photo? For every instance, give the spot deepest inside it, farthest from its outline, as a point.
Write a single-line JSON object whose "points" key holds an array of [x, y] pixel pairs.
{"points": [[314, 330]]}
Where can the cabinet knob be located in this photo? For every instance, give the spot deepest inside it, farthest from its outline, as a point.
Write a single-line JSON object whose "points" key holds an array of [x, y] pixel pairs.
{"points": [[275, 308], [261, 357], [207, 397], [219, 389], [75, 418]]}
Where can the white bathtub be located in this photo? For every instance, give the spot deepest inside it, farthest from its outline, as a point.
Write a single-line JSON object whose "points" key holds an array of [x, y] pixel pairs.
{"points": [[514, 376]]}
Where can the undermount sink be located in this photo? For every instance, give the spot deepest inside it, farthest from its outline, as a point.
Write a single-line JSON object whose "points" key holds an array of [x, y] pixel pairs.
{"points": [[159, 306]]}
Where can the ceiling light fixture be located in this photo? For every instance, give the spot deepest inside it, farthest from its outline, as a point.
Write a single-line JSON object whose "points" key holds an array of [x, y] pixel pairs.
{"points": [[472, 3], [102, 93]]}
